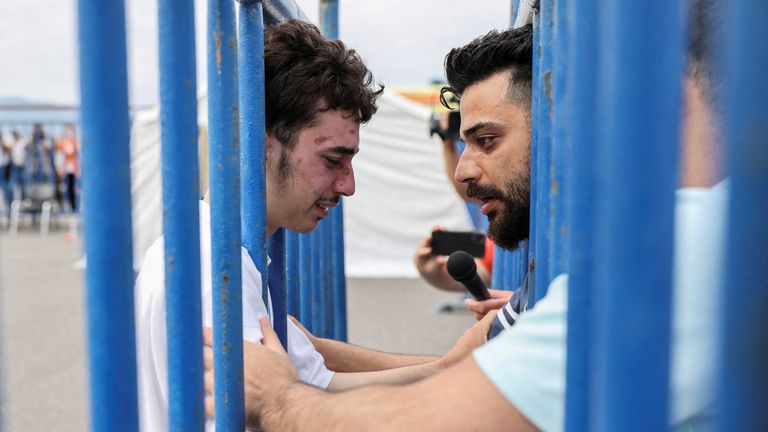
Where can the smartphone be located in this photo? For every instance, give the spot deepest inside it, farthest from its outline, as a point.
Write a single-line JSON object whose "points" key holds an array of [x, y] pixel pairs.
{"points": [[448, 242]]}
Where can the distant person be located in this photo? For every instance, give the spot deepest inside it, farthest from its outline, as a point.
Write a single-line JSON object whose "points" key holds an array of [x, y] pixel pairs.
{"points": [[40, 157], [18, 147], [69, 170], [5, 170], [431, 267], [433, 270]]}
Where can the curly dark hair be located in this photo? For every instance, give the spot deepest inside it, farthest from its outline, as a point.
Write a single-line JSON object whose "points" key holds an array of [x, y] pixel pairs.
{"points": [[306, 74], [485, 56]]}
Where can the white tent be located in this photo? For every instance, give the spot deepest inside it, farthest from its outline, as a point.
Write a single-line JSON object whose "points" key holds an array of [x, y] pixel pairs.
{"points": [[401, 188]]}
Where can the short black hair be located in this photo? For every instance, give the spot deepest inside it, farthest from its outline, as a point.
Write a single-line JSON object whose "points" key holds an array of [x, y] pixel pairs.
{"points": [[487, 55]]}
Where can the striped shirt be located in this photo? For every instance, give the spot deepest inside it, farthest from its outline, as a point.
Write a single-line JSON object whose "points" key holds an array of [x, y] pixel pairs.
{"points": [[506, 316]]}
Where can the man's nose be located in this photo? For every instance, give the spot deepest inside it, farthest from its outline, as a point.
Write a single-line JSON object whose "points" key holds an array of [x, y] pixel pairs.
{"points": [[345, 184], [467, 170]]}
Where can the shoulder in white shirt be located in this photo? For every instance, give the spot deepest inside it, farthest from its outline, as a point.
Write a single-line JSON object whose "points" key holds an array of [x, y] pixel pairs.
{"points": [[151, 328]]}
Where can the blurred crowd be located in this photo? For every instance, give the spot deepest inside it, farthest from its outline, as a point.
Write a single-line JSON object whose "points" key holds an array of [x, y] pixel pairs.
{"points": [[38, 163]]}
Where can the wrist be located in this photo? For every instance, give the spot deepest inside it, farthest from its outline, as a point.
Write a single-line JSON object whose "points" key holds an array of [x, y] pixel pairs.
{"points": [[440, 363]]}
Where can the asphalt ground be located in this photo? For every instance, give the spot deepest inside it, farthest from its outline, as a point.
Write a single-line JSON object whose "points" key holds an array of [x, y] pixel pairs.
{"points": [[44, 366]]}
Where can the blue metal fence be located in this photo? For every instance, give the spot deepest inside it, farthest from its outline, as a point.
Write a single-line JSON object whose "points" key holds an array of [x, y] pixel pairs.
{"points": [[591, 186], [106, 186], [580, 99], [178, 111], [634, 245], [224, 171], [744, 354]]}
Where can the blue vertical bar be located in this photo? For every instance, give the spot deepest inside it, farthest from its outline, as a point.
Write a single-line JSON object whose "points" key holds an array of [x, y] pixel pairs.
{"points": [[323, 270], [339, 276], [543, 231], [497, 279], [561, 145], [252, 135], [506, 270], [744, 370], [306, 297], [181, 223], [582, 82], [329, 18], [316, 282], [332, 292], [322, 260], [514, 269], [523, 262], [640, 79], [534, 218], [277, 284], [512, 13], [292, 273], [106, 185], [224, 168], [510, 271]]}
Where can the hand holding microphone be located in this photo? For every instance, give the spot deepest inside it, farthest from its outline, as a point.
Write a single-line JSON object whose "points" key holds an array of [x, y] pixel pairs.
{"points": [[461, 266]]}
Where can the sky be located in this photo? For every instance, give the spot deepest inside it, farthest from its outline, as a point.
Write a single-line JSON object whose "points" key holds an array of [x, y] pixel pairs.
{"points": [[403, 42]]}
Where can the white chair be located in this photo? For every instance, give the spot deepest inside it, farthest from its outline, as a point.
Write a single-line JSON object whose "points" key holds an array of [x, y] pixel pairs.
{"points": [[39, 201]]}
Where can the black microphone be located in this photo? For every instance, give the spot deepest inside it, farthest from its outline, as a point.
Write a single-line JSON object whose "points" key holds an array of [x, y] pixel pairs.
{"points": [[462, 267]]}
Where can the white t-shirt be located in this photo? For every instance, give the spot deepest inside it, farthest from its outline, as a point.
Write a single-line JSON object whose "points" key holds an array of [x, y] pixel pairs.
{"points": [[527, 362], [151, 328], [18, 151], [5, 152]]}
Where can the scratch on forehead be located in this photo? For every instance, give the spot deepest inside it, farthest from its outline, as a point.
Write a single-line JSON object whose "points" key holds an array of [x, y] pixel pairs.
{"points": [[321, 139]]}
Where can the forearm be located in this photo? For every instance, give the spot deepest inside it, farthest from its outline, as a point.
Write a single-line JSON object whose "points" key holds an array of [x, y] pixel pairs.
{"points": [[438, 403], [300, 407], [345, 357], [396, 376]]}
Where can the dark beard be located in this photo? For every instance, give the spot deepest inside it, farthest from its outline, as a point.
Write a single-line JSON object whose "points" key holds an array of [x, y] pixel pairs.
{"points": [[284, 168], [507, 226]]}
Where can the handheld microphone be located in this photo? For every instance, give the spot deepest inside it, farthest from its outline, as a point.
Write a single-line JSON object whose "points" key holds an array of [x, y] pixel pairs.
{"points": [[462, 267]]}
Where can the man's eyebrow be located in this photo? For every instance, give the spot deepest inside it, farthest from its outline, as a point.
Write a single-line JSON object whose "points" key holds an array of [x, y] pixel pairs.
{"points": [[468, 132], [343, 150]]}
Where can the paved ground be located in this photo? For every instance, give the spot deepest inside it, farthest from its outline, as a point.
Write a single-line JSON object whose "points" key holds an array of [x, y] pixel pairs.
{"points": [[43, 345]]}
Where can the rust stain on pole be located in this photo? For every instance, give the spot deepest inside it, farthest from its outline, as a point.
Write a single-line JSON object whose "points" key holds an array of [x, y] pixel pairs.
{"points": [[548, 85], [217, 41]]}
